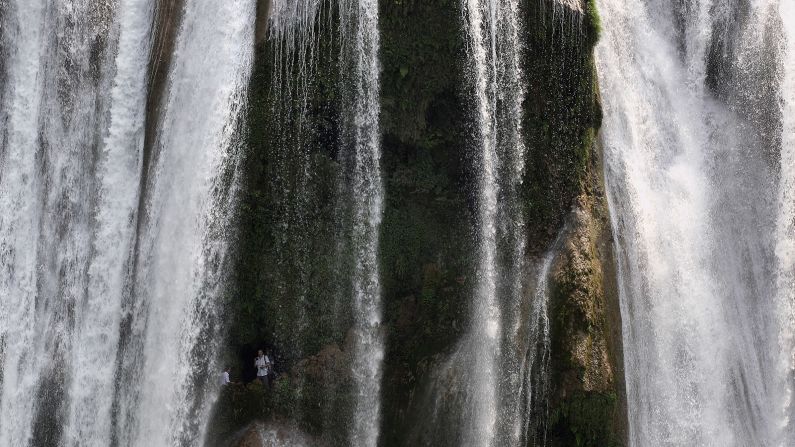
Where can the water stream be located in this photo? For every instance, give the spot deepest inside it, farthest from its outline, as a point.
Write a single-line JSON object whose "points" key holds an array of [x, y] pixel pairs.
{"points": [[698, 136], [494, 49], [362, 153], [109, 276]]}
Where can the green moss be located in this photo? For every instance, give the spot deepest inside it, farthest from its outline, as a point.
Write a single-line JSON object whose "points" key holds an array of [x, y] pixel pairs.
{"points": [[562, 115], [593, 22], [584, 420], [426, 245]]}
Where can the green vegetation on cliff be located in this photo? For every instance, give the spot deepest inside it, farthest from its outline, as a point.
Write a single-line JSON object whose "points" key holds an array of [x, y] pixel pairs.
{"points": [[288, 291], [426, 244]]}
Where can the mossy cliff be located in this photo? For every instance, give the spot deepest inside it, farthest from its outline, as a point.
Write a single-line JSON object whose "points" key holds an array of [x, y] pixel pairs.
{"points": [[288, 295], [587, 405], [586, 401]]}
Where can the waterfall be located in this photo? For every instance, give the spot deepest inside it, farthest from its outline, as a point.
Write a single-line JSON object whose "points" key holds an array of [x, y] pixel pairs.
{"points": [[361, 148], [46, 177], [110, 277], [494, 49], [181, 246], [528, 411], [118, 177], [697, 166], [292, 31], [785, 224]]}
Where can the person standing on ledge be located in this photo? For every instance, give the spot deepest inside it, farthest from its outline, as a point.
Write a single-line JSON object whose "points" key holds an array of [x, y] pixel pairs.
{"points": [[225, 377], [261, 363]]}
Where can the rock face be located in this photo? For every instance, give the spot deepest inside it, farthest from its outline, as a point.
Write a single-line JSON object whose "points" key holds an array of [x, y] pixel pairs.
{"points": [[312, 396], [587, 402], [579, 303], [251, 438], [330, 361], [287, 295]]}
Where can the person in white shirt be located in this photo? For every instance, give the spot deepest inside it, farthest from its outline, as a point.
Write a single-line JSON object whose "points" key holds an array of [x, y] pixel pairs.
{"points": [[225, 377], [262, 363]]}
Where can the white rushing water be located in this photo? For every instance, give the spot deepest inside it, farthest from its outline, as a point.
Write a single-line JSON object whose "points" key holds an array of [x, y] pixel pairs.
{"points": [[50, 107], [785, 228], [494, 50], [293, 32], [94, 255], [362, 148], [292, 19], [181, 244], [118, 179], [698, 138]]}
